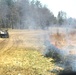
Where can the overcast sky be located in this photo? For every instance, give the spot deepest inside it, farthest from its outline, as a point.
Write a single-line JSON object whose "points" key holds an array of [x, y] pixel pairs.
{"points": [[68, 6]]}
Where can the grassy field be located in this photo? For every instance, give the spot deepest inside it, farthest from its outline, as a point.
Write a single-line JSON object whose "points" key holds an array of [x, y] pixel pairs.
{"points": [[25, 61], [21, 53]]}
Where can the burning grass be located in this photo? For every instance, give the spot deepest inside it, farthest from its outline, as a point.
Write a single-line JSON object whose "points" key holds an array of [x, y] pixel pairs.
{"points": [[59, 40], [66, 42], [20, 56]]}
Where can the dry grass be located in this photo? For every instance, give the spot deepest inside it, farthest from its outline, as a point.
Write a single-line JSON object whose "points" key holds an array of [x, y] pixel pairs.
{"points": [[19, 55], [63, 39], [59, 40], [25, 61]]}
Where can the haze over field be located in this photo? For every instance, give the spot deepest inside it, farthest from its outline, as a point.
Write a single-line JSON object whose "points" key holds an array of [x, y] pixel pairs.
{"points": [[25, 14], [37, 39]]}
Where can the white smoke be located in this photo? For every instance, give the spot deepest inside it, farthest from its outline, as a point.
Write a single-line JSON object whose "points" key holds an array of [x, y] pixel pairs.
{"points": [[68, 60]]}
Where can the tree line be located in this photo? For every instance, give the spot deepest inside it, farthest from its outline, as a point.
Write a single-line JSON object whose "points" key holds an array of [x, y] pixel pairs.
{"points": [[26, 14]]}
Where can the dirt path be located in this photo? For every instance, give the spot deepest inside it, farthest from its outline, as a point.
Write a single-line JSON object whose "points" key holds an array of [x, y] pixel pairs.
{"points": [[21, 39], [27, 38]]}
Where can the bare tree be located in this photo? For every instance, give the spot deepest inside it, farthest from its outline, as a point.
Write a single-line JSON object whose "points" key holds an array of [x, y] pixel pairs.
{"points": [[61, 17]]}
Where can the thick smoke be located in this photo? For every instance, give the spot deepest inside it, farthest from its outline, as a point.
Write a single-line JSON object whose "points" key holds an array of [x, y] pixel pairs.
{"points": [[64, 56]]}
